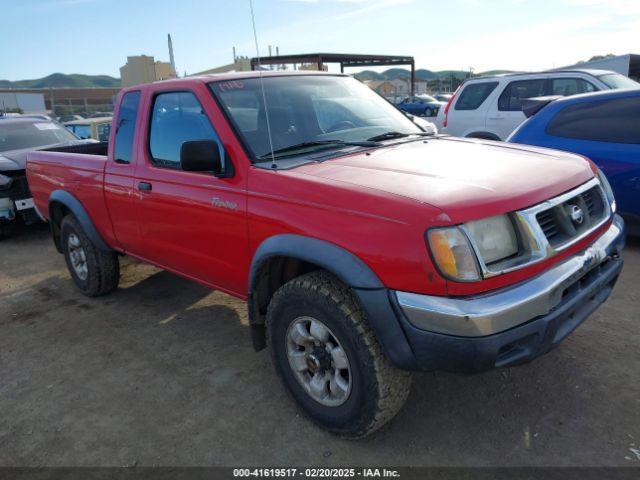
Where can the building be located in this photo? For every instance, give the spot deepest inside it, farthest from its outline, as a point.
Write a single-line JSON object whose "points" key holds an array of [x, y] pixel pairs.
{"points": [[383, 87], [240, 64], [60, 101], [22, 102], [312, 67], [402, 86], [628, 65], [421, 87], [144, 69]]}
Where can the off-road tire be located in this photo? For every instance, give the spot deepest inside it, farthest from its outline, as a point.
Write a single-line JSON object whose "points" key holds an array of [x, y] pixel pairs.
{"points": [[103, 266], [379, 390]]}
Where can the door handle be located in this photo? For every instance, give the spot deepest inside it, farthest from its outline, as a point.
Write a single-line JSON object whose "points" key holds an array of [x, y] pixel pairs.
{"points": [[144, 187], [496, 118]]}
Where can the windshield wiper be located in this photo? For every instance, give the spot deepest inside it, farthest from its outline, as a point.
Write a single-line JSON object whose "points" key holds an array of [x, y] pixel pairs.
{"points": [[317, 143], [393, 134]]}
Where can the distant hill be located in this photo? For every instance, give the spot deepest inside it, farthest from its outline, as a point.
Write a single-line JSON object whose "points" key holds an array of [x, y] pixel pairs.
{"points": [[59, 80], [421, 74]]}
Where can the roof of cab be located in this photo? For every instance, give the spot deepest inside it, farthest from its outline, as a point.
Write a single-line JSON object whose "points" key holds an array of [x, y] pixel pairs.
{"points": [[210, 77], [228, 76]]}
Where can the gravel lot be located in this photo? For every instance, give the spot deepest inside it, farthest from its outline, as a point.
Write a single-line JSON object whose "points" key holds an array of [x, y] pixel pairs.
{"points": [[162, 373]]}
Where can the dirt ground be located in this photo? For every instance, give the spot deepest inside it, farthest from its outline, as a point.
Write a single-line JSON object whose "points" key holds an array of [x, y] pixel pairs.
{"points": [[162, 373]]}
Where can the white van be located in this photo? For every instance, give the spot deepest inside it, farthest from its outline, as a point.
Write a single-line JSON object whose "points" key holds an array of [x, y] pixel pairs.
{"points": [[490, 107]]}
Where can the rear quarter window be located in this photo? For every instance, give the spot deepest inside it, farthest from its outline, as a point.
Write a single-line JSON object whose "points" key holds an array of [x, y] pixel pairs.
{"points": [[613, 121], [474, 94], [125, 127]]}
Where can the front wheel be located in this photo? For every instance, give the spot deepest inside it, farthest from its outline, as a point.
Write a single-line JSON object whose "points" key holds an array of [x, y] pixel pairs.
{"points": [[94, 271], [329, 359], [428, 112]]}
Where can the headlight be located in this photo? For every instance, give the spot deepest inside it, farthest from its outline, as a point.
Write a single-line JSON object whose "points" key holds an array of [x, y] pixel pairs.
{"points": [[494, 237], [608, 191], [453, 254]]}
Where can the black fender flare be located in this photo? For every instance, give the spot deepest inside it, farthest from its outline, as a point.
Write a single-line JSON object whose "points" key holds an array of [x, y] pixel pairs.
{"points": [[75, 206], [343, 264], [370, 292]]}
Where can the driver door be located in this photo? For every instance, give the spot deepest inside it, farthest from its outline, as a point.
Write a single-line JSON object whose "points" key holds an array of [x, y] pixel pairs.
{"points": [[192, 222]]}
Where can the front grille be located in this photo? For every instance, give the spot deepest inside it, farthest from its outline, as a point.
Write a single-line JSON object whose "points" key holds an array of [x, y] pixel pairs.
{"points": [[547, 221], [573, 217], [18, 190]]}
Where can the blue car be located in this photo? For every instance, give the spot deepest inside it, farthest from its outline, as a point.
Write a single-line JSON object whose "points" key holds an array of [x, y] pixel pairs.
{"points": [[602, 126], [421, 105]]}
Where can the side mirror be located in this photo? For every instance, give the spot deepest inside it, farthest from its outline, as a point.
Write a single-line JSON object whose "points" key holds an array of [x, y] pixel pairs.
{"points": [[201, 156]]}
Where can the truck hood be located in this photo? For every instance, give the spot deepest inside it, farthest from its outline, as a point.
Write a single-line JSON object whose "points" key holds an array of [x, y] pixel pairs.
{"points": [[17, 159], [466, 179]]}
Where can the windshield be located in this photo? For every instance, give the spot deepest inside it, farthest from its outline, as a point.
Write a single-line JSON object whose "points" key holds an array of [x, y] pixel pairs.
{"points": [[308, 110], [427, 98], [19, 135], [81, 131], [617, 81]]}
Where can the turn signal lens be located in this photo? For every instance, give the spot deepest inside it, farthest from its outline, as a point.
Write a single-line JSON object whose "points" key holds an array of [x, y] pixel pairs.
{"points": [[453, 254]]}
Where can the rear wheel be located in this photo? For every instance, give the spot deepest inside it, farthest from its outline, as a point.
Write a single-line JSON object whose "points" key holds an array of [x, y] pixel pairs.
{"points": [[428, 112], [329, 359], [95, 272]]}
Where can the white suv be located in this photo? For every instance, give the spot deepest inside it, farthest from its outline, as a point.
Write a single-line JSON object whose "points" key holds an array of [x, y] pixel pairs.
{"points": [[490, 107]]}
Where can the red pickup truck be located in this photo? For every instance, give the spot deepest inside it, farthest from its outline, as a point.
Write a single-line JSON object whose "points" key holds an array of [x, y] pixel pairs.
{"points": [[365, 247]]}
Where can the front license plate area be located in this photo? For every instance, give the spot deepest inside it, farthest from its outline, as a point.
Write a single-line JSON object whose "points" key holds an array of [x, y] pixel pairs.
{"points": [[24, 204]]}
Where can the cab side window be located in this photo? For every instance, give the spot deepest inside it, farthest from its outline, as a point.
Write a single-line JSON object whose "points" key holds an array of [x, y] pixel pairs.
{"points": [[125, 127], [177, 117]]}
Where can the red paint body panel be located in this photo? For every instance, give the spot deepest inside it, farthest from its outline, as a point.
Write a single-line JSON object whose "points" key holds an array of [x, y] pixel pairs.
{"points": [[376, 205], [81, 175], [467, 179]]}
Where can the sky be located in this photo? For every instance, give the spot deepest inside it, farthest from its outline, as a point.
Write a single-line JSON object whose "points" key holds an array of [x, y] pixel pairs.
{"points": [[40, 37]]}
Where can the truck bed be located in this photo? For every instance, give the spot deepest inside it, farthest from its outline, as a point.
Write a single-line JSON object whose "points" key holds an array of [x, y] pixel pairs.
{"points": [[98, 148], [76, 169]]}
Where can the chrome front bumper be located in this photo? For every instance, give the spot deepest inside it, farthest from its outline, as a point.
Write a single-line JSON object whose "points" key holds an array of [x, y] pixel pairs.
{"points": [[508, 308]]}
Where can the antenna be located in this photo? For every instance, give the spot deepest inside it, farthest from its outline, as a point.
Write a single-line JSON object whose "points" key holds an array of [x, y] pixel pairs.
{"points": [[264, 95]]}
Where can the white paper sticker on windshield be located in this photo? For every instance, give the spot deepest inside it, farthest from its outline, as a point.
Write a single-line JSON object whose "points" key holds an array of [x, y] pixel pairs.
{"points": [[46, 126]]}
